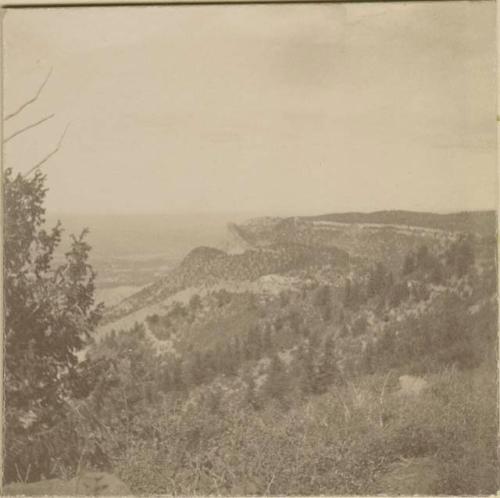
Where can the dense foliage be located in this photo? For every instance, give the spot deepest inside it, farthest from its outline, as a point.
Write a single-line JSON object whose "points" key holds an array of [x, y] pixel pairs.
{"points": [[302, 395], [49, 315], [242, 392]]}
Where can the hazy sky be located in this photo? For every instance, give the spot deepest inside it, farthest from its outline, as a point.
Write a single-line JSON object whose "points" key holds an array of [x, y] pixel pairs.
{"points": [[272, 109]]}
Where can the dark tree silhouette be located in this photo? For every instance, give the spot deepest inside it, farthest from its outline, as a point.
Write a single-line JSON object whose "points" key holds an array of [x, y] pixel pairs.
{"points": [[49, 316]]}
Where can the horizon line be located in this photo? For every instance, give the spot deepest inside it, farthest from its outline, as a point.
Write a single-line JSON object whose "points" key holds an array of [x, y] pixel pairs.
{"points": [[260, 213]]}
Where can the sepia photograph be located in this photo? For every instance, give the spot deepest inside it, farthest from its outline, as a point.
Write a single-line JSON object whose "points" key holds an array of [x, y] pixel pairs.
{"points": [[250, 249]]}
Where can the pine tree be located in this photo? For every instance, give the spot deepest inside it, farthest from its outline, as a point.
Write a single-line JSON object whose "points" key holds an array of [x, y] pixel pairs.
{"points": [[378, 281], [267, 340], [369, 359], [326, 313], [177, 376], [251, 396], [197, 370], [423, 257], [210, 365], [237, 350], [229, 361], [322, 296], [50, 315], [327, 368], [409, 264], [277, 379], [165, 381]]}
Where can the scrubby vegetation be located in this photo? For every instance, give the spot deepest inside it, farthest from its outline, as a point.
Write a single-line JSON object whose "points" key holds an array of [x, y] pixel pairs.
{"points": [[253, 392]]}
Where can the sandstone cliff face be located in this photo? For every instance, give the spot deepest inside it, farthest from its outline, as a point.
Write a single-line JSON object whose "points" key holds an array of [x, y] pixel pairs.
{"points": [[374, 241], [88, 484]]}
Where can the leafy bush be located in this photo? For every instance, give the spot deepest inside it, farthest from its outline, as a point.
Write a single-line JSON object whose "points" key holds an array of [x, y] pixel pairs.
{"points": [[341, 442]]}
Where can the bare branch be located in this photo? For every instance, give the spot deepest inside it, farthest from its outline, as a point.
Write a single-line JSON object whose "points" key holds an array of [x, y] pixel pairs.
{"points": [[30, 101], [49, 155], [28, 127], [270, 483]]}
